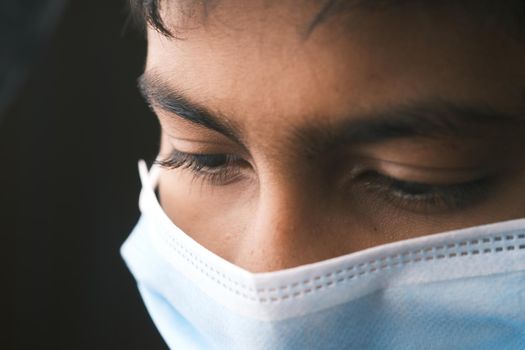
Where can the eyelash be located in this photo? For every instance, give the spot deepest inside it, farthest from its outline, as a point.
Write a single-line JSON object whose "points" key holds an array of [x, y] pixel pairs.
{"points": [[418, 196], [223, 169], [217, 169]]}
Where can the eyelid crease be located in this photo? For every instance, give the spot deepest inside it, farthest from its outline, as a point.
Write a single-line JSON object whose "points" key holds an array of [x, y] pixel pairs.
{"points": [[378, 161], [199, 141]]}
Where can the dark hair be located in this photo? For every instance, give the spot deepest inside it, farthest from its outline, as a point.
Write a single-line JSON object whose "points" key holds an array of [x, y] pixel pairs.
{"points": [[510, 13], [148, 11]]}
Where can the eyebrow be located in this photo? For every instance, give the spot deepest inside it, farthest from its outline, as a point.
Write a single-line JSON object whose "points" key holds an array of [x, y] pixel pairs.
{"points": [[429, 118], [158, 94]]}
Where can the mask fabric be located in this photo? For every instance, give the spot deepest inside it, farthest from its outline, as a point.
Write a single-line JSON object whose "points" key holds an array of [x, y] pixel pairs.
{"points": [[462, 289]]}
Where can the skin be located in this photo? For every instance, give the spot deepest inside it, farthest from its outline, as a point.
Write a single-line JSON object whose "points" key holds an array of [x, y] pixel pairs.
{"points": [[282, 203]]}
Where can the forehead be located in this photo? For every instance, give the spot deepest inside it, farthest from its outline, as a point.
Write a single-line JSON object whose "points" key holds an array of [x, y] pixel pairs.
{"points": [[254, 62]]}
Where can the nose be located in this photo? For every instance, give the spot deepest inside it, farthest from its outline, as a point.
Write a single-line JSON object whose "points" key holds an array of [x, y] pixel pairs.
{"points": [[287, 228]]}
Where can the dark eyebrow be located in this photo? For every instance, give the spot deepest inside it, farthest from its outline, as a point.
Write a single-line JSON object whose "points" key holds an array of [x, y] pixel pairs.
{"points": [[158, 94], [429, 118]]}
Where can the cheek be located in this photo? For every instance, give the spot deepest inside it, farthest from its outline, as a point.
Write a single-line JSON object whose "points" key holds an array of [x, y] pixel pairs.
{"points": [[214, 217], [510, 202]]}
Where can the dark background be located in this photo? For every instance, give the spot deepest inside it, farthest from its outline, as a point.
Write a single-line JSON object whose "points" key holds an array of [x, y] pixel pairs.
{"points": [[69, 144]]}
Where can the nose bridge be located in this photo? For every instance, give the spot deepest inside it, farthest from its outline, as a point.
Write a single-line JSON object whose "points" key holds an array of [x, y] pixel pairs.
{"points": [[280, 234]]}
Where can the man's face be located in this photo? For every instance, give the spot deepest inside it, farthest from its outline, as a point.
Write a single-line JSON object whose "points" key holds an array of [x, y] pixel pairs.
{"points": [[287, 148]]}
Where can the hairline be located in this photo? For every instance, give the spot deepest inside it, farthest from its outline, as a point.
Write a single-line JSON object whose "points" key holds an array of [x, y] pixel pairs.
{"points": [[148, 12]]}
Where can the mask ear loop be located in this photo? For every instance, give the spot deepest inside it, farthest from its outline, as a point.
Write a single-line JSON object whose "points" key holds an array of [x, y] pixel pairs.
{"points": [[150, 177]]}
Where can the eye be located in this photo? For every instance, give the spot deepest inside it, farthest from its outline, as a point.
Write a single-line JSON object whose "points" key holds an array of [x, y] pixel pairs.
{"points": [[209, 161], [217, 169], [426, 197]]}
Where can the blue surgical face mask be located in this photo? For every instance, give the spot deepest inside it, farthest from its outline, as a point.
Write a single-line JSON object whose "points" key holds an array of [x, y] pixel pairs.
{"points": [[463, 289]]}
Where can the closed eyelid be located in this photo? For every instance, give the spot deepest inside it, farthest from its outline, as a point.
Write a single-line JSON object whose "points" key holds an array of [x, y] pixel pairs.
{"points": [[433, 176], [408, 165]]}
